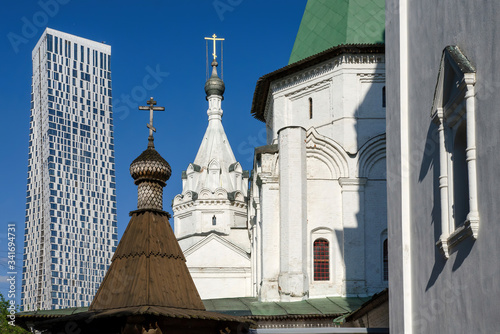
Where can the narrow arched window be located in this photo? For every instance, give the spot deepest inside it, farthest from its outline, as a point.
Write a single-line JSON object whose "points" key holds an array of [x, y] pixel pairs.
{"points": [[214, 220], [383, 97], [310, 108], [321, 260], [386, 261]]}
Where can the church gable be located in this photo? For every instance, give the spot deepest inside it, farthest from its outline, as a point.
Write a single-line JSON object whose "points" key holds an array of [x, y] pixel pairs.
{"points": [[215, 251]]}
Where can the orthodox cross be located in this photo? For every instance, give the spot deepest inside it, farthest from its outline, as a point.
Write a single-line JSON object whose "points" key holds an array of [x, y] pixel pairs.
{"points": [[214, 38], [151, 107]]}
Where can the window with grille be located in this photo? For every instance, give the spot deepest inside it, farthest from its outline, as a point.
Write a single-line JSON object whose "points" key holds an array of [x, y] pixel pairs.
{"points": [[321, 260], [386, 261]]}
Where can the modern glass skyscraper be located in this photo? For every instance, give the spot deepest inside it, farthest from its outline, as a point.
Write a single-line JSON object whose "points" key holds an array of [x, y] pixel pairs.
{"points": [[70, 232]]}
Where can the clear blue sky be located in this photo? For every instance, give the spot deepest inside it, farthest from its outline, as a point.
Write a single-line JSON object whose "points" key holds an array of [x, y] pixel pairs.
{"points": [[166, 36]]}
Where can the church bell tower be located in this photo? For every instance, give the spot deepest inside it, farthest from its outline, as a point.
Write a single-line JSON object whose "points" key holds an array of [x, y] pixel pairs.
{"points": [[210, 215]]}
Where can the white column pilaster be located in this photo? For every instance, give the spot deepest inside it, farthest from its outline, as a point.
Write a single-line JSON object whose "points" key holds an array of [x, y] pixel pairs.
{"points": [[353, 218], [293, 281], [443, 185], [270, 238], [473, 216]]}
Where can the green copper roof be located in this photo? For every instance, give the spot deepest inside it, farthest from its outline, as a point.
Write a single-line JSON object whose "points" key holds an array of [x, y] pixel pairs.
{"points": [[250, 306], [328, 23]]}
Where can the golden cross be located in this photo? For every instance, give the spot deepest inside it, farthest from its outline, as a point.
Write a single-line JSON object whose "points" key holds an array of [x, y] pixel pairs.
{"points": [[214, 38], [151, 108]]}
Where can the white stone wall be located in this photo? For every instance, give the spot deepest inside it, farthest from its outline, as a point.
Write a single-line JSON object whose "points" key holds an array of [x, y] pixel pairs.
{"points": [[344, 200], [346, 94], [219, 268], [431, 292]]}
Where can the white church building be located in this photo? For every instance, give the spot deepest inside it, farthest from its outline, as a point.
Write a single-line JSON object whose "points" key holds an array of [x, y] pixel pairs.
{"points": [[317, 201], [311, 219], [210, 215]]}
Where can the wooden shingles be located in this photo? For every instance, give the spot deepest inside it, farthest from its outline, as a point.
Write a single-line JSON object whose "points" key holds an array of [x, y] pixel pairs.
{"points": [[147, 269]]}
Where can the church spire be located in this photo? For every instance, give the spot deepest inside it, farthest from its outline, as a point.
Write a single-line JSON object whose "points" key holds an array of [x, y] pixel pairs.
{"points": [[215, 166], [212, 207]]}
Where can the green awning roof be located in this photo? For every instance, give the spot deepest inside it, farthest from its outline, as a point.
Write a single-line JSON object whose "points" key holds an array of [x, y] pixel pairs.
{"points": [[54, 313], [251, 306], [328, 23]]}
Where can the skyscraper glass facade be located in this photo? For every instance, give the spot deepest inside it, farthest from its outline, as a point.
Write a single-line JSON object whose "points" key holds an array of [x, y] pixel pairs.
{"points": [[71, 228]]}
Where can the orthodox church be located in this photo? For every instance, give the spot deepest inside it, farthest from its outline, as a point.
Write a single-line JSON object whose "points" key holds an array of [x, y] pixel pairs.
{"points": [[210, 215], [310, 219]]}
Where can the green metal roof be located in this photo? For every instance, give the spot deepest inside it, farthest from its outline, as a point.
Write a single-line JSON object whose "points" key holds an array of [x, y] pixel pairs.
{"points": [[328, 23], [54, 313], [250, 306]]}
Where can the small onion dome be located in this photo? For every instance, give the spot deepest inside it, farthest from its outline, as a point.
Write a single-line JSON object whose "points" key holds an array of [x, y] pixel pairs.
{"points": [[150, 166], [214, 85]]}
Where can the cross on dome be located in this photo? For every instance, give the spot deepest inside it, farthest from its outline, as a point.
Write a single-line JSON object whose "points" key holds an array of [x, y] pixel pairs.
{"points": [[151, 107], [214, 38]]}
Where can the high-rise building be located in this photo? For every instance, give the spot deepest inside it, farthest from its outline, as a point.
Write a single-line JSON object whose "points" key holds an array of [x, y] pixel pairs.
{"points": [[70, 231]]}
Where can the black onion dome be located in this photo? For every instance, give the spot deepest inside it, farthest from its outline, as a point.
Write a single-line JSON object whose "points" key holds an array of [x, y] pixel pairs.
{"points": [[150, 166], [214, 85]]}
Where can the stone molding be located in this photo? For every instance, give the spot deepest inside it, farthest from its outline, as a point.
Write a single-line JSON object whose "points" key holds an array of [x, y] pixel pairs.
{"points": [[323, 68], [317, 70], [352, 184], [372, 151], [329, 152], [221, 240], [320, 84], [371, 77], [195, 203]]}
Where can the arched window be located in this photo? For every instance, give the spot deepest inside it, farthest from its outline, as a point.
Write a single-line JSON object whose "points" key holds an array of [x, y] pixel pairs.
{"points": [[383, 97], [310, 108], [386, 261], [321, 260], [214, 220]]}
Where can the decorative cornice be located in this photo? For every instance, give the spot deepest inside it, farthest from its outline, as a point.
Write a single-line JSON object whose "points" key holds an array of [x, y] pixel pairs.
{"points": [[325, 67], [342, 54], [352, 183], [188, 205], [314, 85], [371, 77], [262, 179]]}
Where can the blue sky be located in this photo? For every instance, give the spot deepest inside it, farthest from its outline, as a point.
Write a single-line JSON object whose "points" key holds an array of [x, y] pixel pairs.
{"points": [[166, 37]]}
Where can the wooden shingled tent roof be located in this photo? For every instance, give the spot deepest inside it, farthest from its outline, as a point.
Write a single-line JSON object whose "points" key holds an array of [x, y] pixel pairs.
{"points": [[148, 288], [148, 268]]}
